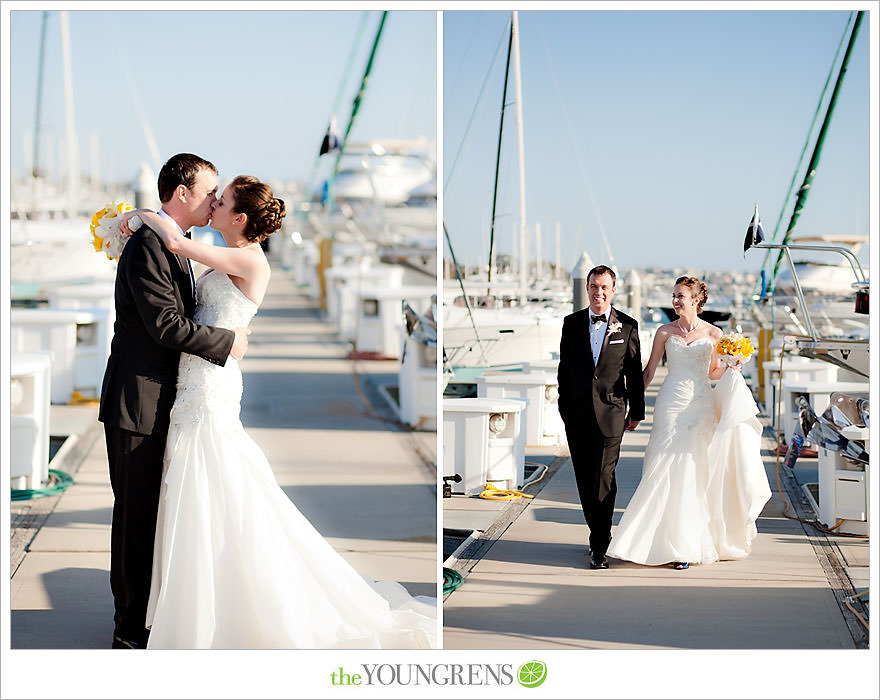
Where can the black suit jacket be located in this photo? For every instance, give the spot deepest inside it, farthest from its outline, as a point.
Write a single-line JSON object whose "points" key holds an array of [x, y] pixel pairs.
{"points": [[606, 389], [154, 308]]}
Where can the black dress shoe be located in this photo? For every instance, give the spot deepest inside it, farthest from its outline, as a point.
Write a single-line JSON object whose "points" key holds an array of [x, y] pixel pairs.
{"points": [[598, 561], [120, 643]]}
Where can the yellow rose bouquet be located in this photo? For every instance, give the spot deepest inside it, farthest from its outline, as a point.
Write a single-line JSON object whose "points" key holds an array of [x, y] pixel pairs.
{"points": [[106, 236], [733, 348]]}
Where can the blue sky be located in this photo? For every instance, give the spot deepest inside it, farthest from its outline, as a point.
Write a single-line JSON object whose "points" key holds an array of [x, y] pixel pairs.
{"points": [[250, 90], [682, 121]]}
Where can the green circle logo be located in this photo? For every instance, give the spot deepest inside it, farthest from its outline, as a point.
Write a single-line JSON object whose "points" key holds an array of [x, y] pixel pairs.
{"points": [[532, 673]]}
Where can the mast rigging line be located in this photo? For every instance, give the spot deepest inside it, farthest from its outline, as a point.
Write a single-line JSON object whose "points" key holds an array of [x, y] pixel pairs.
{"points": [[337, 101], [462, 64], [355, 108], [467, 303], [481, 94], [498, 156], [149, 136], [804, 190], [800, 162], [577, 152]]}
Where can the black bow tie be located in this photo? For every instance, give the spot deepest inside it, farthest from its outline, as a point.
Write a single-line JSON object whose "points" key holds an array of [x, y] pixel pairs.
{"points": [[598, 319]]}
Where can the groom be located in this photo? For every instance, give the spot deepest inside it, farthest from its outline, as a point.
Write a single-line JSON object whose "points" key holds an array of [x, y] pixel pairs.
{"points": [[601, 394], [154, 306]]}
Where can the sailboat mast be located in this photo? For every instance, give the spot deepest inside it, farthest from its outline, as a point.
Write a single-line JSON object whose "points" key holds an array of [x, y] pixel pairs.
{"points": [[817, 152], [36, 166], [517, 78], [72, 164], [355, 107], [498, 157]]}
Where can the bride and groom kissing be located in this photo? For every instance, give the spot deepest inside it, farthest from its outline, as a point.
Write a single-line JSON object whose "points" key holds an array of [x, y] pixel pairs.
{"points": [[207, 551], [703, 483]]}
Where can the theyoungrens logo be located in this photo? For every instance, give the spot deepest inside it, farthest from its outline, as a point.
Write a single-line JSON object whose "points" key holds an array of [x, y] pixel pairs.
{"points": [[529, 675]]}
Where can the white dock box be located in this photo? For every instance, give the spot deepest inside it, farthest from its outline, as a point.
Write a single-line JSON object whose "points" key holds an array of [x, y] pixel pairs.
{"points": [[844, 492], [483, 442], [542, 423], [29, 395]]}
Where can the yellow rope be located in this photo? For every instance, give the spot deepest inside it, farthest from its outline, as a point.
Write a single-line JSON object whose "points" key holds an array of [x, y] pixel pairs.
{"points": [[493, 493]]}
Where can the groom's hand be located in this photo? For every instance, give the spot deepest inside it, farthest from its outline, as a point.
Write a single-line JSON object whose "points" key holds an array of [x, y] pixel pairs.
{"points": [[240, 344], [631, 424]]}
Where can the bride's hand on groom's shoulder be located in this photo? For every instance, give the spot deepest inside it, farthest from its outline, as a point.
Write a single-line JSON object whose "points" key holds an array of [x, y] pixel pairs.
{"points": [[131, 221]]}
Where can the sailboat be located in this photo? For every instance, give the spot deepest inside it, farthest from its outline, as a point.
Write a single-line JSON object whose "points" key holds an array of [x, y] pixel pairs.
{"points": [[818, 306], [501, 320], [49, 217]]}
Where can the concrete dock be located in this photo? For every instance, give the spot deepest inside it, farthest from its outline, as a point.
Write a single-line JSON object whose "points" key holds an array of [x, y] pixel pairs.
{"points": [[365, 483], [527, 583]]}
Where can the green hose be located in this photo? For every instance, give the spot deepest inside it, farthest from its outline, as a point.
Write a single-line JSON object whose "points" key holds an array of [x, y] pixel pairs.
{"points": [[58, 482], [451, 580]]}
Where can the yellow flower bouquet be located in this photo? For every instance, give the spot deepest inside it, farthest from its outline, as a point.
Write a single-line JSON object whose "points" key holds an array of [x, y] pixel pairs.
{"points": [[733, 348], [106, 236]]}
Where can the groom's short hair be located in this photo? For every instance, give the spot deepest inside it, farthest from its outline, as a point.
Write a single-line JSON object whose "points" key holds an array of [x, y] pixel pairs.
{"points": [[602, 270], [180, 169]]}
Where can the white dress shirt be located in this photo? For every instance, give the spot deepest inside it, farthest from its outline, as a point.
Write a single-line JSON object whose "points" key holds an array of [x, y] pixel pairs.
{"points": [[192, 282], [597, 334]]}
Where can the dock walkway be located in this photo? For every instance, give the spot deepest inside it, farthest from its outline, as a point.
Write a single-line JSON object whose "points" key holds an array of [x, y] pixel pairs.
{"points": [[527, 583], [368, 486]]}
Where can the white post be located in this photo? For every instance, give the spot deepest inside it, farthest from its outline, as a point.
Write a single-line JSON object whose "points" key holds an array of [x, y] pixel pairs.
{"points": [[579, 282], [558, 271], [72, 160], [538, 257], [27, 143], [635, 295], [95, 159]]}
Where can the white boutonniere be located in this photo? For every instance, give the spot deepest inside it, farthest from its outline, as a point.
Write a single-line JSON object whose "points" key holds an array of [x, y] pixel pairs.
{"points": [[615, 327]]}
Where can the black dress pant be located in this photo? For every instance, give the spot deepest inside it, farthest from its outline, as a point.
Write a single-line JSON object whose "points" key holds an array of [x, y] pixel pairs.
{"points": [[136, 477], [594, 457]]}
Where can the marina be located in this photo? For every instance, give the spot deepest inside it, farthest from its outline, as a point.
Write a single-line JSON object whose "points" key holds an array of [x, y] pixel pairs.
{"points": [[367, 485], [403, 372], [517, 571], [527, 584]]}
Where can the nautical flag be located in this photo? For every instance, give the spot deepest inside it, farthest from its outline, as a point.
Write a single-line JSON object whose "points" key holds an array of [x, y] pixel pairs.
{"points": [[755, 233], [331, 138]]}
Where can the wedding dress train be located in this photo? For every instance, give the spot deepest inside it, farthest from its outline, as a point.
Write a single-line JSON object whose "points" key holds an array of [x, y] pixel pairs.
{"points": [[236, 565], [703, 482]]}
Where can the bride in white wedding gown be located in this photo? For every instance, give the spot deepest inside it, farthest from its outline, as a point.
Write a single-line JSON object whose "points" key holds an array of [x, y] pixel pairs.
{"points": [[236, 565], [703, 482]]}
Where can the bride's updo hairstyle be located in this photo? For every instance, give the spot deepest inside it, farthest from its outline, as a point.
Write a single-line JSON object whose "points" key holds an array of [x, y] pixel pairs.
{"points": [[699, 290], [264, 211]]}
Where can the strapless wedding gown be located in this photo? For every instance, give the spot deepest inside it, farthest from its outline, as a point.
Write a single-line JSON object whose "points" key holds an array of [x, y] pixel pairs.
{"points": [[703, 482], [236, 565]]}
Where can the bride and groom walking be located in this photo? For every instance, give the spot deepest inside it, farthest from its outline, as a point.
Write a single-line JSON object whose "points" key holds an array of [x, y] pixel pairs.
{"points": [[207, 551], [703, 483]]}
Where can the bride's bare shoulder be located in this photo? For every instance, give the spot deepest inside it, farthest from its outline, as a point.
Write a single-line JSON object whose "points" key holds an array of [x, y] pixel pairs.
{"points": [[715, 332]]}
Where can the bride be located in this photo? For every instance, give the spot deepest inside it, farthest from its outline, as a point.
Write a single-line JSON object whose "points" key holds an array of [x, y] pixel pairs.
{"points": [[236, 565], [703, 483]]}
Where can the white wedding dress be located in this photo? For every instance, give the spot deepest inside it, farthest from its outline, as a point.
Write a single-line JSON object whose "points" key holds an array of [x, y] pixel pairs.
{"points": [[236, 565], [703, 482]]}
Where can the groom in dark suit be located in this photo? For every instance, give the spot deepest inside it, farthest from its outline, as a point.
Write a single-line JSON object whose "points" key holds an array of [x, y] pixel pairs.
{"points": [[155, 302], [601, 394]]}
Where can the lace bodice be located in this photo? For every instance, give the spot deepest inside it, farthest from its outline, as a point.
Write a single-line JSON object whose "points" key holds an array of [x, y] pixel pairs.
{"points": [[684, 407], [220, 303], [201, 385], [689, 361]]}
